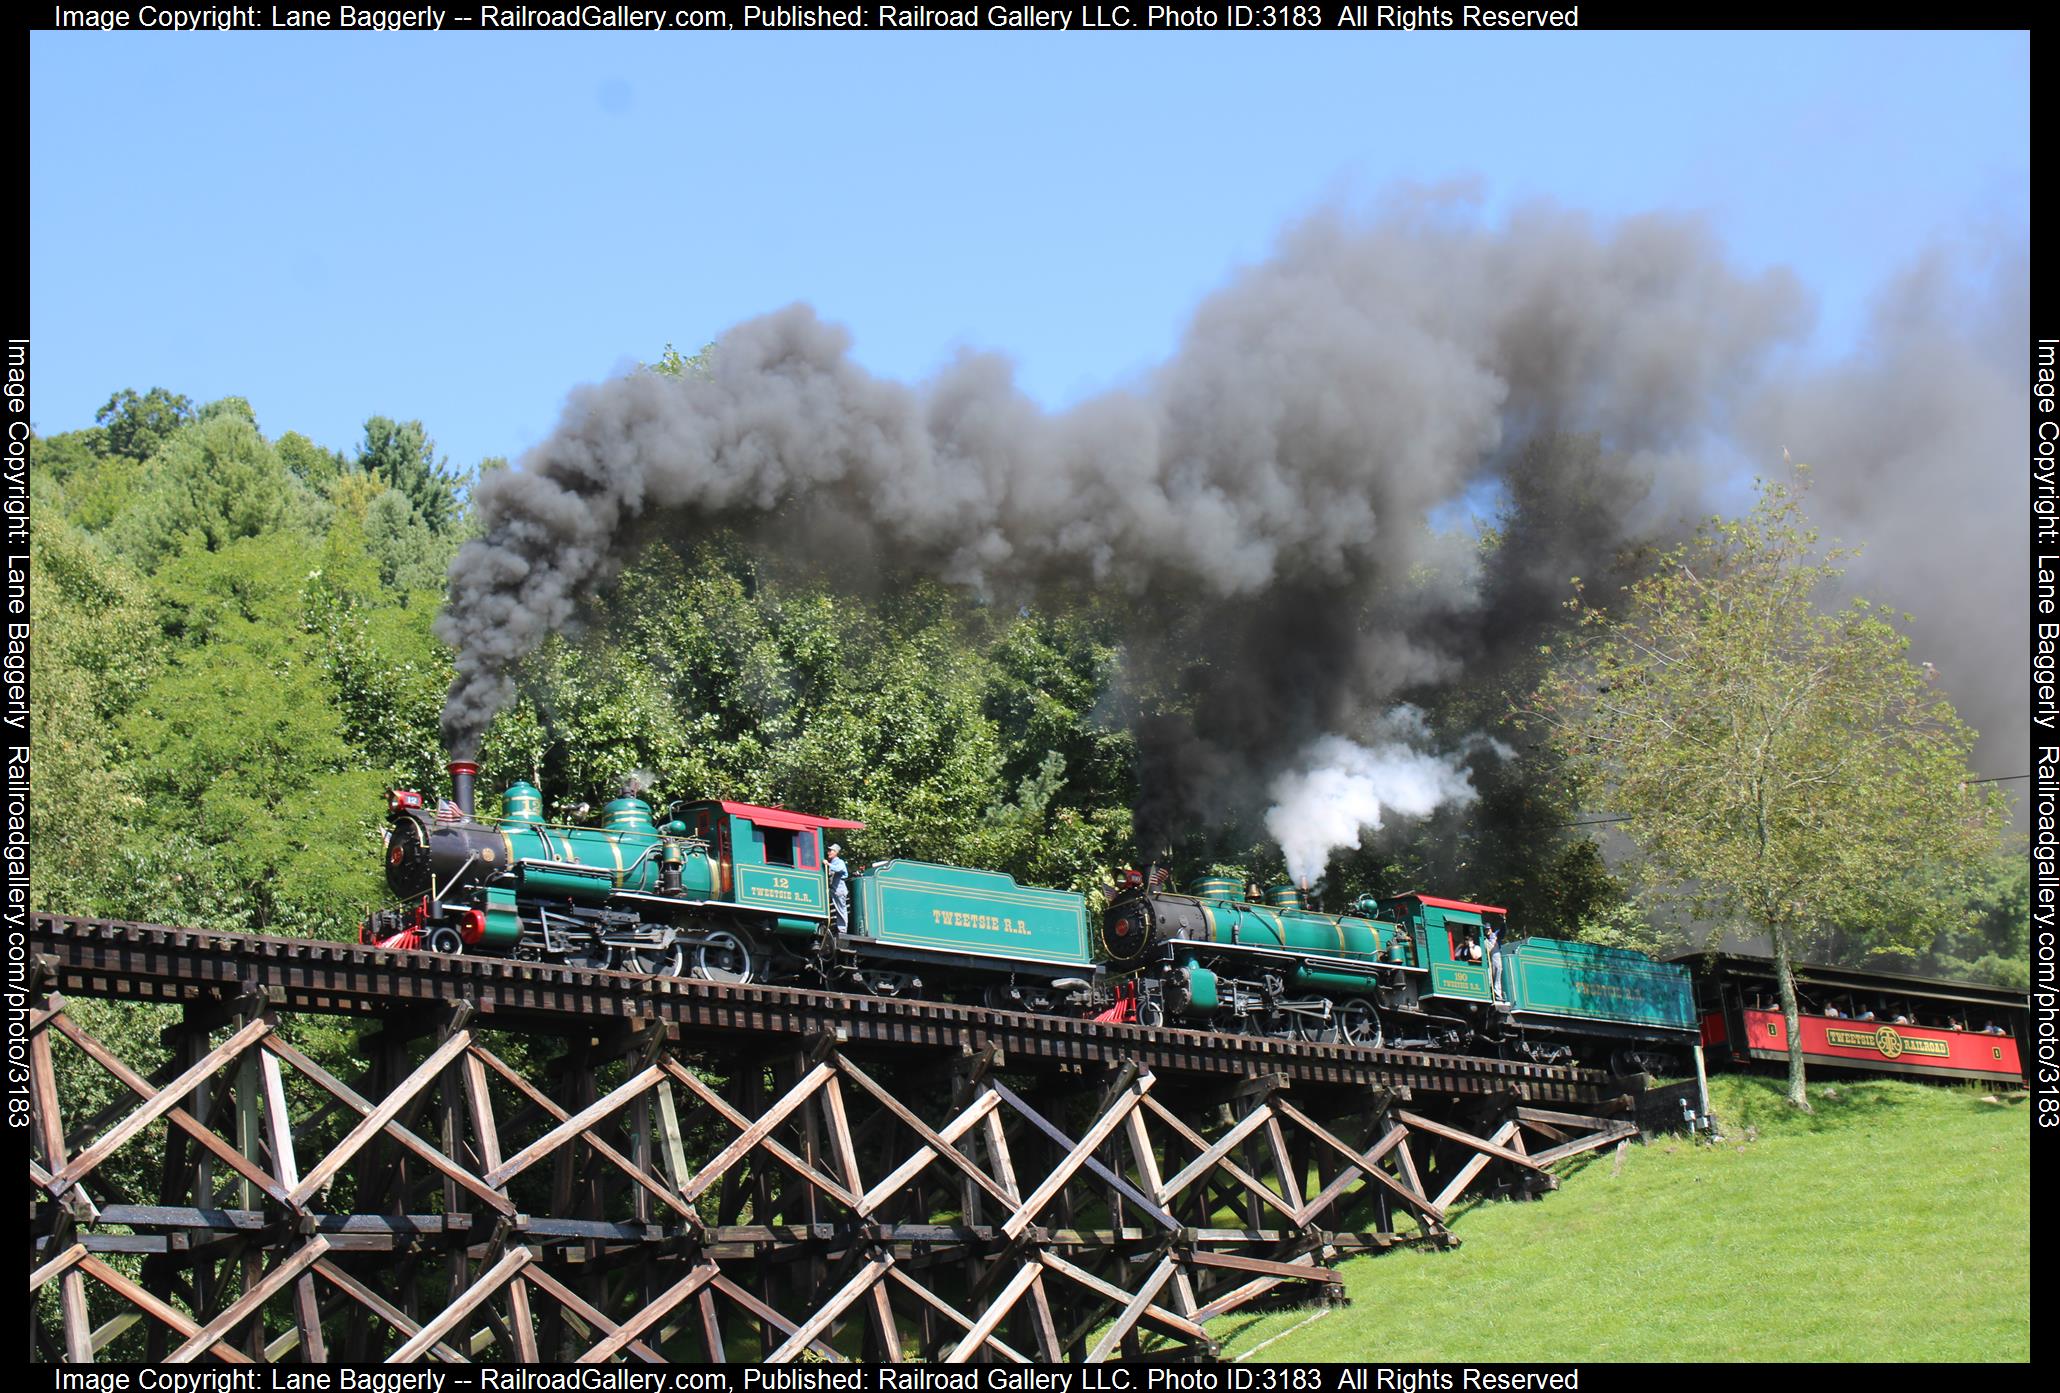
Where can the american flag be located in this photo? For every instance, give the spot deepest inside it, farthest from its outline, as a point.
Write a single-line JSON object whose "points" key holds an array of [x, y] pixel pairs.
{"points": [[447, 811], [1158, 879]]}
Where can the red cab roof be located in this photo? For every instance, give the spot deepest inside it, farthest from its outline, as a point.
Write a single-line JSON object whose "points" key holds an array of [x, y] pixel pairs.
{"points": [[780, 817], [1453, 904]]}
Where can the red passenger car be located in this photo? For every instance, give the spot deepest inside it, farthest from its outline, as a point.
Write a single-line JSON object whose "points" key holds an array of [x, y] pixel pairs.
{"points": [[1861, 1020]]}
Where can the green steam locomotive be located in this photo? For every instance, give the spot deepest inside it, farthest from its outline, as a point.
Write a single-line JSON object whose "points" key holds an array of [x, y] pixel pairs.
{"points": [[1406, 971], [736, 892], [725, 891]]}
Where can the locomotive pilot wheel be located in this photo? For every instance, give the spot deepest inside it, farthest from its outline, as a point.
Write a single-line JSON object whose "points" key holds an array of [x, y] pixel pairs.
{"points": [[723, 956], [444, 939]]}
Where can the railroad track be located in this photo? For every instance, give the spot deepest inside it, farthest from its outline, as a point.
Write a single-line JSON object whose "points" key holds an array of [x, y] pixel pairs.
{"points": [[162, 963]]}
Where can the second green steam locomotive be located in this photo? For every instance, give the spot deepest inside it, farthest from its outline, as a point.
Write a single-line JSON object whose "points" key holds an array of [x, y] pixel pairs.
{"points": [[1411, 970]]}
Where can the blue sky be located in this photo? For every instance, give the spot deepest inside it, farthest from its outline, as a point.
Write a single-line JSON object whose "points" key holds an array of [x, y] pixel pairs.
{"points": [[461, 227]]}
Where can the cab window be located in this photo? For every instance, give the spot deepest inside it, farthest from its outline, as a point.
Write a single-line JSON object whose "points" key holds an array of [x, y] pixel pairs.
{"points": [[777, 844], [804, 851]]}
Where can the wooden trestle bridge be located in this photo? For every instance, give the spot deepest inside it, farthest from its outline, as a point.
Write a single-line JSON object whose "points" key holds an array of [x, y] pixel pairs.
{"points": [[542, 1163]]}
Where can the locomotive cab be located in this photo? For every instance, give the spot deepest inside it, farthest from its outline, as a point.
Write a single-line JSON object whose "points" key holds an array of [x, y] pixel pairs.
{"points": [[766, 860], [1559, 1000], [1446, 934]]}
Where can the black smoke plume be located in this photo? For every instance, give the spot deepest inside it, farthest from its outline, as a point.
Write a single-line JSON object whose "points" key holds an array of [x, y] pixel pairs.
{"points": [[1273, 477]]}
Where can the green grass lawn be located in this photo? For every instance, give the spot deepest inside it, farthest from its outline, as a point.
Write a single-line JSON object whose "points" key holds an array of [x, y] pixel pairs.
{"points": [[1894, 1224]]}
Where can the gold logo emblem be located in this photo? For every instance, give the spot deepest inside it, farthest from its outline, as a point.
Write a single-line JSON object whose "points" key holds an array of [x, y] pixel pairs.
{"points": [[1887, 1042]]}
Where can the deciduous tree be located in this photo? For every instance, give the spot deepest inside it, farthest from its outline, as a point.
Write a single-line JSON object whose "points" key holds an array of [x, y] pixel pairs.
{"points": [[213, 483], [1779, 762], [139, 425]]}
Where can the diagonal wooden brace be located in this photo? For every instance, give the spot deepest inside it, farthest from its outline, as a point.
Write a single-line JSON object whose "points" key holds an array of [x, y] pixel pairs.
{"points": [[1617, 1131], [860, 1284], [771, 1317], [429, 1154], [1481, 1144], [721, 1107], [1366, 1163], [151, 1305], [1215, 1153], [163, 1102], [1113, 1118], [543, 1103], [943, 1144], [633, 1328], [578, 1305], [618, 1098], [178, 1117], [248, 1304], [1158, 1315], [377, 1120], [1130, 1314], [996, 1311], [449, 1318], [379, 1306], [953, 1314]]}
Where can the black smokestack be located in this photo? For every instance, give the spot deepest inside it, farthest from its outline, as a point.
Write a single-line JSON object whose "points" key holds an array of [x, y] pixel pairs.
{"points": [[464, 773]]}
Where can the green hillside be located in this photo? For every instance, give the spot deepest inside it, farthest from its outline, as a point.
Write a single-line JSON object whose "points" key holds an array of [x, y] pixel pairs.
{"points": [[1892, 1225]]}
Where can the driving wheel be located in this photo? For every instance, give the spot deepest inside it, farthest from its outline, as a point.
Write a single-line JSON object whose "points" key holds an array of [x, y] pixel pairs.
{"points": [[723, 956], [1359, 1023], [648, 960]]}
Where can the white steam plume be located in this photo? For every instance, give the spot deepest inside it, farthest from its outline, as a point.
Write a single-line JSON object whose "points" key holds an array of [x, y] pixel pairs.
{"points": [[1344, 789]]}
